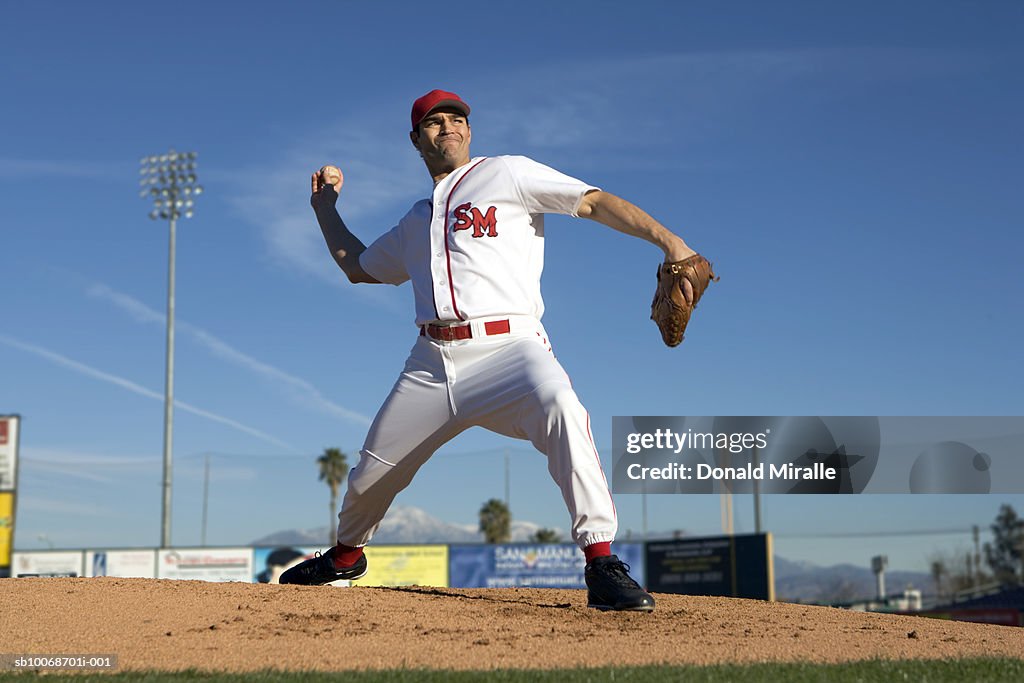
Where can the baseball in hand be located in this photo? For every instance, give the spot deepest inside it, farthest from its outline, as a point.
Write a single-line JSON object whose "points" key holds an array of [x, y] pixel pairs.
{"points": [[331, 175]]}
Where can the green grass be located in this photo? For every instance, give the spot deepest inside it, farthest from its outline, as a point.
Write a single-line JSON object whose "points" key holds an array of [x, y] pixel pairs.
{"points": [[935, 671]]}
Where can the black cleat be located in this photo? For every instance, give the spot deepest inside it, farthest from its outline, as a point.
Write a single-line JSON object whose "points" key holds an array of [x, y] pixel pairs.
{"points": [[609, 587], [319, 569]]}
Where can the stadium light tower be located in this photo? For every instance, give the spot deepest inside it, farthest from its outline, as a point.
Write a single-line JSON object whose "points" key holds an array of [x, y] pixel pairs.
{"points": [[170, 181]]}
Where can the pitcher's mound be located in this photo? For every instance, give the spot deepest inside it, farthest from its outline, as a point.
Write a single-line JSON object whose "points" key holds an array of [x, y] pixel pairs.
{"points": [[172, 625]]}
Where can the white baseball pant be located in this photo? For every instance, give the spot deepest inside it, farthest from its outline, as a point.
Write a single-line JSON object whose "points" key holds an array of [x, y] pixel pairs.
{"points": [[508, 383]]}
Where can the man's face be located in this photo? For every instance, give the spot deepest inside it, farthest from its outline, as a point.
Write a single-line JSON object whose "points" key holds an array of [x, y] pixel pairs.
{"points": [[443, 138]]}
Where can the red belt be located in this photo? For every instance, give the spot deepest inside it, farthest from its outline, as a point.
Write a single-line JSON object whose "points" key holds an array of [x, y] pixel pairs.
{"points": [[459, 332]]}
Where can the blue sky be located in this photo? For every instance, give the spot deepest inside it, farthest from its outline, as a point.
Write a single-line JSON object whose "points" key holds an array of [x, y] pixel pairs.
{"points": [[849, 169]]}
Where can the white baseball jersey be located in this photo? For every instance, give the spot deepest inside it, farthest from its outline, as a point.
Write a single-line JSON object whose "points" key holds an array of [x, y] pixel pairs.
{"points": [[476, 248]]}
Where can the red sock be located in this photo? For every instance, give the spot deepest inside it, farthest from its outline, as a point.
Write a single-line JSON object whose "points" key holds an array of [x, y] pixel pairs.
{"points": [[345, 555], [596, 550]]}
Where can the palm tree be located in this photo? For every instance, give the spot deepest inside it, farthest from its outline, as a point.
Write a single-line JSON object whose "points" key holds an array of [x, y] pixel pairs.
{"points": [[546, 536], [496, 521], [333, 468]]}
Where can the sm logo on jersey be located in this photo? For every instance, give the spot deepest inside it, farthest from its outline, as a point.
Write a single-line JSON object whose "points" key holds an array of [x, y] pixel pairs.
{"points": [[468, 216]]}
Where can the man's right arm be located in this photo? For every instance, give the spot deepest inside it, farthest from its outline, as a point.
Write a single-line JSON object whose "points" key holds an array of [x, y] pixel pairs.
{"points": [[343, 245]]}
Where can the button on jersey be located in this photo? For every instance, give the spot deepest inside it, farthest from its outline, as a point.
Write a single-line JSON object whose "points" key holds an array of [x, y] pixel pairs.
{"points": [[476, 247]]}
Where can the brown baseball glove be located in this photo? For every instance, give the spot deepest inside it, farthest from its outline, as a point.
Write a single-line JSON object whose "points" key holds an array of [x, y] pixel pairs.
{"points": [[673, 301]]}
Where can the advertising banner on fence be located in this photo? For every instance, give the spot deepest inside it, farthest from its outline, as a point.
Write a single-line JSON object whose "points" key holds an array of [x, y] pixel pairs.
{"points": [[270, 562], [139, 564], [739, 566], [406, 565], [533, 565], [47, 563], [206, 564], [6, 530], [8, 451], [817, 454]]}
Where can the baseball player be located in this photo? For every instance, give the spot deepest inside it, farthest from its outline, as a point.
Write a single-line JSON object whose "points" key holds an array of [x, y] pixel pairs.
{"points": [[474, 253]]}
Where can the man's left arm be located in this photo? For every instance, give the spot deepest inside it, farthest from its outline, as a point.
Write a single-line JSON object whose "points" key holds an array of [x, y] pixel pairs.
{"points": [[629, 218]]}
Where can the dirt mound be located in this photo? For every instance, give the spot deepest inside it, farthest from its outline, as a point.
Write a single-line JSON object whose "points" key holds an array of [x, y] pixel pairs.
{"points": [[170, 625]]}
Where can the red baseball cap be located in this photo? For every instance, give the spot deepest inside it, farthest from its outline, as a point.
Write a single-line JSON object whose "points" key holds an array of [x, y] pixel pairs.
{"points": [[434, 99]]}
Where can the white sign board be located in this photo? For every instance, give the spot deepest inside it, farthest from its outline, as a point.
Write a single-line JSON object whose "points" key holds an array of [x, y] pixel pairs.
{"points": [[205, 564], [8, 451], [122, 563], [47, 563]]}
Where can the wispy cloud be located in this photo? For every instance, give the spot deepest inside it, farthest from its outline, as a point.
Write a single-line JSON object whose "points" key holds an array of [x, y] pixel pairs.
{"points": [[219, 471], [30, 503], [620, 113], [299, 390], [66, 457], [128, 385], [55, 168], [138, 310], [583, 116], [579, 114], [101, 469], [382, 174]]}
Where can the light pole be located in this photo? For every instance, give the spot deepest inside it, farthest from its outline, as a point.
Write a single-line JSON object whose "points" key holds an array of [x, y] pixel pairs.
{"points": [[170, 181], [206, 497]]}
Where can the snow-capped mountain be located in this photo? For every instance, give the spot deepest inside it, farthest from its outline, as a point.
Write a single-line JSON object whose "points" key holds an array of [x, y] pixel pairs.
{"points": [[405, 524]]}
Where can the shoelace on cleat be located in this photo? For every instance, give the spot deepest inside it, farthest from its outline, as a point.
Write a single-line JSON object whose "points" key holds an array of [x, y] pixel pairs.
{"points": [[312, 568], [619, 572]]}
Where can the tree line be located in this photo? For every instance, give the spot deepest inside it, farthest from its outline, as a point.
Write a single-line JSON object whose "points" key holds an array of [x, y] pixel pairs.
{"points": [[1003, 554], [495, 517]]}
